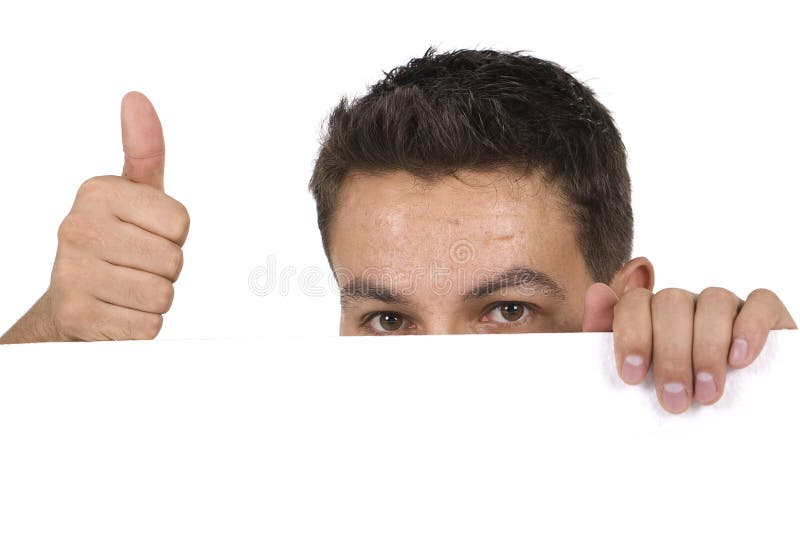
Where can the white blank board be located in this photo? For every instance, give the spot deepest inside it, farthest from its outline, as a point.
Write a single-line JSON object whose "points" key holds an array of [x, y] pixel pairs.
{"points": [[508, 433]]}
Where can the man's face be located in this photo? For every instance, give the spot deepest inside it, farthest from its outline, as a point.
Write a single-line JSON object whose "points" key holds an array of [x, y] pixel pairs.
{"points": [[483, 252]]}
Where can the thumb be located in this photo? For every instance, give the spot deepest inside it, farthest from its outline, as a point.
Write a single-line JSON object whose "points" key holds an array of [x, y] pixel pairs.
{"points": [[142, 141], [598, 308]]}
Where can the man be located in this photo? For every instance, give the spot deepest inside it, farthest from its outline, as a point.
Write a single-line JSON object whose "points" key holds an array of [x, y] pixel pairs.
{"points": [[467, 192]]}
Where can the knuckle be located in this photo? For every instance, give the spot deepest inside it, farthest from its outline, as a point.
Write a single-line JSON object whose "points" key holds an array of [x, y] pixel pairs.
{"points": [[63, 231], [672, 296], [149, 326], [180, 221], [97, 188], [638, 293], [762, 293], [80, 230], [173, 261], [715, 294], [164, 293], [70, 228]]}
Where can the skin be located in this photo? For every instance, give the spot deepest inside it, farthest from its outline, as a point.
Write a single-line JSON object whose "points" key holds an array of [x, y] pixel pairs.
{"points": [[119, 248], [420, 253]]}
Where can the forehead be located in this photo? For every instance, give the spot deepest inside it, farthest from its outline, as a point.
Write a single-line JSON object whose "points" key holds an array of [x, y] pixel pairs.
{"points": [[395, 220]]}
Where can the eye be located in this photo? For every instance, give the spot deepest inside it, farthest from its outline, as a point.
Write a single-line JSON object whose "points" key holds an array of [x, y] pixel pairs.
{"points": [[509, 312], [386, 321]]}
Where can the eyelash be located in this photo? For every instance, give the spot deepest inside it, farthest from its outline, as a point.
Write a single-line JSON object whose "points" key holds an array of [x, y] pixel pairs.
{"points": [[368, 319], [530, 309]]}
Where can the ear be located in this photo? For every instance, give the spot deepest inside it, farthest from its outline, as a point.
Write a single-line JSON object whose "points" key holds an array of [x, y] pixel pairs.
{"points": [[638, 272]]}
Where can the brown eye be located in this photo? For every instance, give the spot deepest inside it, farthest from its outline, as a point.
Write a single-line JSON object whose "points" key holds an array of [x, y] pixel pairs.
{"points": [[512, 311], [510, 314], [390, 320]]}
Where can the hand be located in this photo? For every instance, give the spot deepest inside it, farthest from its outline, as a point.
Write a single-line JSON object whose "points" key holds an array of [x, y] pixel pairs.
{"points": [[690, 339], [119, 248]]}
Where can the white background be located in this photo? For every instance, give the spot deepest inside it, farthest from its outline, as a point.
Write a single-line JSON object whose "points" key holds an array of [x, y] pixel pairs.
{"points": [[511, 434], [705, 97]]}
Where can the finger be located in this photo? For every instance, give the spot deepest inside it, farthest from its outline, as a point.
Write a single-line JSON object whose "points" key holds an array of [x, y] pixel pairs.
{"points": [[131, 288], [117, 323], [120, 243], [138, 204], [138, 249], [142, 141], [598, 308], [89, 319], [673, 317], [633, 335], [715, 312], [760, 313]]}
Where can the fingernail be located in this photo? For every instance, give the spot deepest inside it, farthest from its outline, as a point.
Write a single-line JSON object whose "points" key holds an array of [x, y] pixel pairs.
{"points": [[705, 389], [674, 396], [632, 368], [738, 353]]}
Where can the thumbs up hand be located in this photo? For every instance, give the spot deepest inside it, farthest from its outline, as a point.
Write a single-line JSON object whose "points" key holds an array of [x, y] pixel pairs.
{"points": [[119, 248]]}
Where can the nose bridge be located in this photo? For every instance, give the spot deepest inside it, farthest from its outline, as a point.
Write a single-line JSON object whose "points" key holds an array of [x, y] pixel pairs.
{"points": [[442, 313], [442, 323]]}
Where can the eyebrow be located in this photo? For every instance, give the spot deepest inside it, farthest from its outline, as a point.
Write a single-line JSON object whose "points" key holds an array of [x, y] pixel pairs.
{"points": [[520, 278], [537, 282], [364, 289]]}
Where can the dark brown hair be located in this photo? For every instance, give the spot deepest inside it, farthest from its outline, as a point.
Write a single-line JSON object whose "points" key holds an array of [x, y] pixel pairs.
{"points": [[476, 109]]}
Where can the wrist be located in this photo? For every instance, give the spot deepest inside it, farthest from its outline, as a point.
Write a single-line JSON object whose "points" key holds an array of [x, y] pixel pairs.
{"points": [[36, 326]]}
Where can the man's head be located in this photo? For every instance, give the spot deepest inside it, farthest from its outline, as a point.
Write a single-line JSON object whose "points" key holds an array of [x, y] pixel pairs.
{"points": [[472, 191]]}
